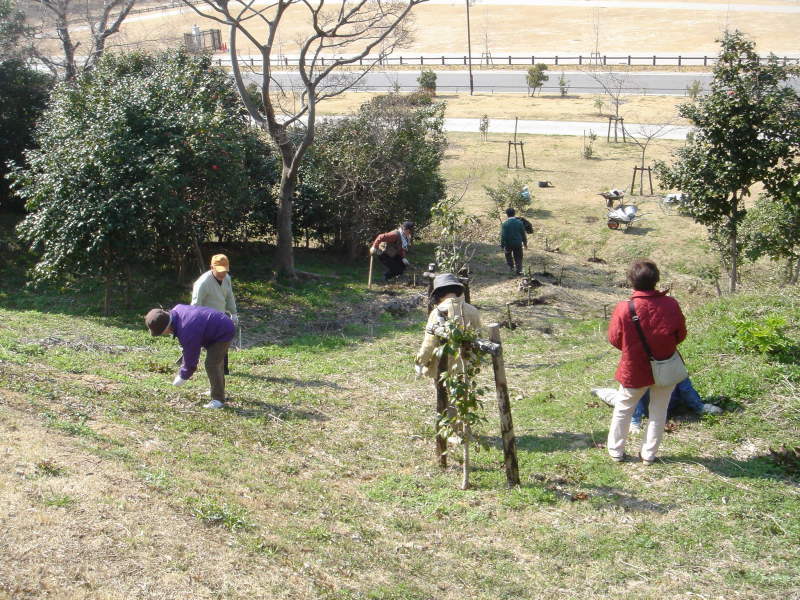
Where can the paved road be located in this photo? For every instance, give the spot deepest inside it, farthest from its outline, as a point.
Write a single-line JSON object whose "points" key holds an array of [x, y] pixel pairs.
{"points": [[574, 128], [514, 82], [571, 128]]}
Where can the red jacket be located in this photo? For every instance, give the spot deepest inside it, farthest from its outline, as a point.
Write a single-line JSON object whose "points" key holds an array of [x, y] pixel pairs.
{"points": [[664, 328], [393, 241]]}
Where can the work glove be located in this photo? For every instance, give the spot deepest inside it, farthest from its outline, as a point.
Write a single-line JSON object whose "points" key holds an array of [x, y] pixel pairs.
{"points": [[406, 263], [373, 250], [418, 370], [235, 319], [179, 380]]}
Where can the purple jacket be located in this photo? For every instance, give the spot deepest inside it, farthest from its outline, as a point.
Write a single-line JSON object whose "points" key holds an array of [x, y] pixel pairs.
{"points": [[198, 327]]}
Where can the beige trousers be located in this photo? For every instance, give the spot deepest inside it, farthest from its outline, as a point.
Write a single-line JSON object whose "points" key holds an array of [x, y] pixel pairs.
{"points": [[624, 406]]}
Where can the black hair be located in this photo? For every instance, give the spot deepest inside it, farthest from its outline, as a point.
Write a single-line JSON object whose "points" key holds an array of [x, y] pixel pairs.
{"points": [[510, 212]]}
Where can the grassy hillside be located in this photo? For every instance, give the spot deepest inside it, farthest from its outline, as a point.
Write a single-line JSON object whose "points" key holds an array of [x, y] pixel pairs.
{"points": [[319, 480]]}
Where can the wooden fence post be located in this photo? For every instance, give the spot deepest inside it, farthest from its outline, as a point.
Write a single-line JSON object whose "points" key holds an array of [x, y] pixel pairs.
{"points": [[504, 407], [429, 276], [441, 410]]}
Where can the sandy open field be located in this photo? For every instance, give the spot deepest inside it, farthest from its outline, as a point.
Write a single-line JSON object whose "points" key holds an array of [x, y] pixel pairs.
{"points": [[523, 30]]}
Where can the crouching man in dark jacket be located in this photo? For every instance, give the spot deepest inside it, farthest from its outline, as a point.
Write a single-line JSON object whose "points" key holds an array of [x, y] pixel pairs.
{"points": [[391, 248], [197, 327]]}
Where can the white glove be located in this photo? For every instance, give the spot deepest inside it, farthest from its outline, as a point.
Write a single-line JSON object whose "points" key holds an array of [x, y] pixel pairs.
{"points": [[406, 263], [235, 319], [373, 250], [418, 370], [179, 380]]}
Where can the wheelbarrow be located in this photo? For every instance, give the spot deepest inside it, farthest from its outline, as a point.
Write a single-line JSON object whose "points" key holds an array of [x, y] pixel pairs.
{"points": [[622, 216], [612, 195]]}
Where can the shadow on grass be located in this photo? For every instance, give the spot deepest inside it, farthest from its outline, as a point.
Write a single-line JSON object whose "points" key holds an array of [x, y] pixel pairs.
{"points": [[300, 383], [275, 412], [296, 308], [556, 441], [637, 230], [630, 502], [756, 467]]}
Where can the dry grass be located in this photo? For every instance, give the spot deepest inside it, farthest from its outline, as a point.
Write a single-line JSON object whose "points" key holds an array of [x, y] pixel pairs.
{"points": [[636, 109], [520, 30], [325, 449], [115, 538], [571, 214]]}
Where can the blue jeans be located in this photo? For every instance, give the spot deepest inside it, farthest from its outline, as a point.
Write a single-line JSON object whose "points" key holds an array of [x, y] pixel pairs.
{"points": [[683, 394]]}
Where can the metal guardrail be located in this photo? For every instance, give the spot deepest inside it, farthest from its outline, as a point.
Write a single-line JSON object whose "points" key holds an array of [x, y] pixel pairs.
{"points": [[520, 89], [511, 60]]}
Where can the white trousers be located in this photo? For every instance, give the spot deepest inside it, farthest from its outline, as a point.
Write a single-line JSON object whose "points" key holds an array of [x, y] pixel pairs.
{"points": [[624, 405]]}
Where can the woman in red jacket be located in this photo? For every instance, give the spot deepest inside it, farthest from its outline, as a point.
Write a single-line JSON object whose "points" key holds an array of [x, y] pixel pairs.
{"points": [[664, 328]]}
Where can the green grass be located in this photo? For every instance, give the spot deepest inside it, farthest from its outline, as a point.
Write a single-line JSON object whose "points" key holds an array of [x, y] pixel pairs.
{"points": [[221, 514], [325, 458], [323, 467], [58, 500]]}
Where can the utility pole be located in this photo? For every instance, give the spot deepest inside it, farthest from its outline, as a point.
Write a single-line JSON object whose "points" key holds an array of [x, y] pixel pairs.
{"points": [[469, 51]]}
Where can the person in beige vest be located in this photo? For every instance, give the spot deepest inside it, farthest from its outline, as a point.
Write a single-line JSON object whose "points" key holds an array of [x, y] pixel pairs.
{"points": [[214, 290], [448, 295]]}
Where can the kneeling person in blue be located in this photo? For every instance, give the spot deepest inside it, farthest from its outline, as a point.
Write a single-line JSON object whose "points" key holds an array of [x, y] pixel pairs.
{"points": [[197, 327], [684, 396]]}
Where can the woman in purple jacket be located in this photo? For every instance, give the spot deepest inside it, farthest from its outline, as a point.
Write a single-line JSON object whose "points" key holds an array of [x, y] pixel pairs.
{"points": [[197, 327]]}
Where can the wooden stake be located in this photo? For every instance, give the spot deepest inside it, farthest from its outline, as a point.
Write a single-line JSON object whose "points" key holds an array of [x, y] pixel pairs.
{"points": [[466, 435], [441, 410], [369, 279], [508, 311], [504, 408]]}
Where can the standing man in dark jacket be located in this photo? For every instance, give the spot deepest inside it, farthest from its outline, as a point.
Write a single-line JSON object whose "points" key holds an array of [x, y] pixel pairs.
{"points": [[391, 248], [197, 327], [513, 240]]}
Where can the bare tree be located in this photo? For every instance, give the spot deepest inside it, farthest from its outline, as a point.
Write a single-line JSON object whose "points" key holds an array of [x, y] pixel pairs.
{"points": [[353, 33], [57, 16], [614, 85], [642, 137]]}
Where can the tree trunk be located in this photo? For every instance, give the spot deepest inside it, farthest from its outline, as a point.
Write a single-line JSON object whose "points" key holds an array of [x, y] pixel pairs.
{"points": [[107, 294], [796, 274], [284, 257], [128, 281], [62, 29], [465, 440], [198, 256], [733, 274]]}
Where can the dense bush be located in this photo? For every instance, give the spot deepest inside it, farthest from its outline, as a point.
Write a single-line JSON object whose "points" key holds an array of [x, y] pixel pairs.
{"points": [[23, 94], [369, 172], [507, 193], [23, 97], [427, 82], [771, 228], [746, 131], [139, 160]]}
